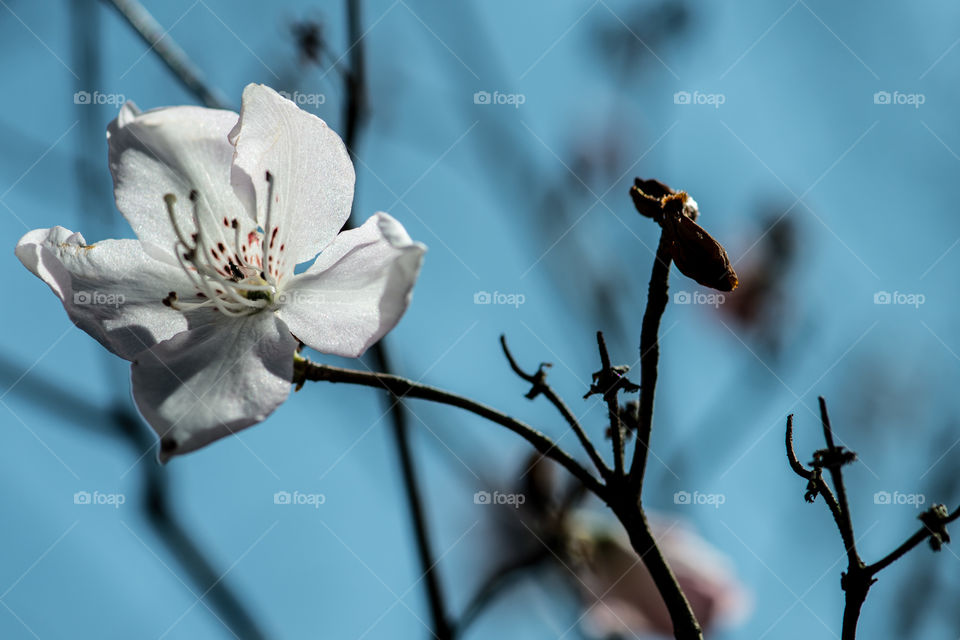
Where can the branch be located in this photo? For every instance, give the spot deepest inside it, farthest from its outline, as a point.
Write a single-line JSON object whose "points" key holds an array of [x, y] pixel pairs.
{"points": [[795, 464], [859, 577], [402, 388], [540, 386], [833, 460], [160, 42], [685, 625], [613, 406], [914, 540], [649, 357]]}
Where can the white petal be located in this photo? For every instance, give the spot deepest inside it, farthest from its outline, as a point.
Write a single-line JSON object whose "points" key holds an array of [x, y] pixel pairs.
{"points": [[357, 290], [213, 380], [175, 150], [312, 171], [112, 289]]}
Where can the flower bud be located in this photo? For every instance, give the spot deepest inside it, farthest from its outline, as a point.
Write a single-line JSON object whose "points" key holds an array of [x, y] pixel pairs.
{"points": [[694, 251]]}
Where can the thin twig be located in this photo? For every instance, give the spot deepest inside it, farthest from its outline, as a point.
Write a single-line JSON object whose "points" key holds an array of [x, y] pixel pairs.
{"points": [[816, 485], [795, 463], [910, 543], [404, 388], [836, 474], [610, 396], [540, 386], [161, 43]]}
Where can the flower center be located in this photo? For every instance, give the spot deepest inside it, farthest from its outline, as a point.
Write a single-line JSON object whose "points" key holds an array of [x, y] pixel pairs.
{"points": [[228, 279]]}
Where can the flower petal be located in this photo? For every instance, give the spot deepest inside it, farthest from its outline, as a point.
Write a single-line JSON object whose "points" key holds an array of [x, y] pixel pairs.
{"points": [[175, 150], [357, 290], [312, 172], [213, 380], [112, 289]]}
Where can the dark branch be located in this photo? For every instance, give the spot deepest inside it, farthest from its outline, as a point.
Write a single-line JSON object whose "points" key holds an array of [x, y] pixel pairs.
{"points": [[613, 408], [795, 464], [540, 386], [914, 540], [649, 358]]}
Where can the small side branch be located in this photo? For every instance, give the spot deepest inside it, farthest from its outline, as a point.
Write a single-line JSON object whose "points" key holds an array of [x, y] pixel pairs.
{"points": [[931, 530], [540, 387], [833, 459]]}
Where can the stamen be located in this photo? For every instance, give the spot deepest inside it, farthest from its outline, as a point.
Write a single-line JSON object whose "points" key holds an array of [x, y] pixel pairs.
{"points": [[269, 230], [220, 281], [170, 200]]}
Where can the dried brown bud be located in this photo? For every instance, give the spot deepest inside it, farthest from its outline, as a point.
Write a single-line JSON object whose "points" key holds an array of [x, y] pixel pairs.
{"points": [[694, 251]]}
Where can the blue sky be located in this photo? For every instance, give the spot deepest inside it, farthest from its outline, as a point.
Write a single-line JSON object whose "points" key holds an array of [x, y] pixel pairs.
{"points": [[803, 134]]}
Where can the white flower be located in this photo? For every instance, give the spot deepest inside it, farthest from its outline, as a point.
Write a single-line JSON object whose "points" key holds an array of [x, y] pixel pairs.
{"points": [[206, 303]]}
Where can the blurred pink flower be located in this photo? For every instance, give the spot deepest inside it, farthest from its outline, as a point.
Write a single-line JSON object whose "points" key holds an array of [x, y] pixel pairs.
{"points": [[620, 595]]}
